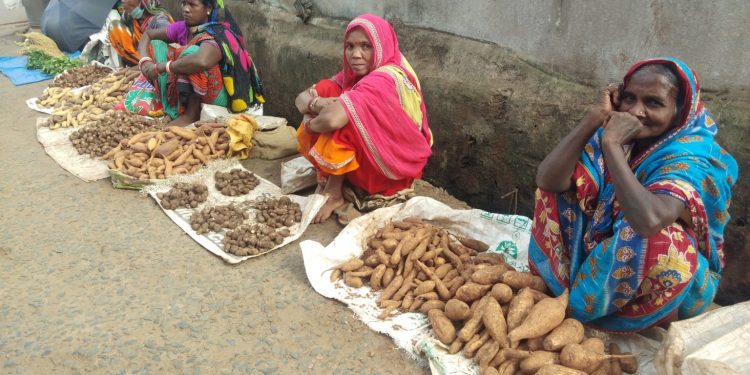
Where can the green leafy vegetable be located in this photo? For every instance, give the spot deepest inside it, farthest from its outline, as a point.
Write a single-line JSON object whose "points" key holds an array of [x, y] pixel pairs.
{"points": [[51, 65]]}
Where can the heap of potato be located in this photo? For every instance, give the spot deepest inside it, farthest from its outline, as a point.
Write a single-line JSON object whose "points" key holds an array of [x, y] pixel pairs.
{"points": [[278, 213], [216, 218], [183, 195], [81, 76], [235, 182], [476, 303], [173, 151], [77, 107], [100, 137], [253, 239]]}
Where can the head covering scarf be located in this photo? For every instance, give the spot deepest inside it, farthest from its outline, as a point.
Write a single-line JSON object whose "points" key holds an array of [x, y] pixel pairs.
{"points": [[585, 243], [241, 78], [150, 7], [386, 105]]}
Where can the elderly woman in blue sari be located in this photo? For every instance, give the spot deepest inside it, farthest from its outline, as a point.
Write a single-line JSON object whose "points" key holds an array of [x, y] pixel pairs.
{"points": [[632, 204]]}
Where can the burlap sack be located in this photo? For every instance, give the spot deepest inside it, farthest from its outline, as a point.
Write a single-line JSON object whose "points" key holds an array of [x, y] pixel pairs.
{"points": [[274, 143]]}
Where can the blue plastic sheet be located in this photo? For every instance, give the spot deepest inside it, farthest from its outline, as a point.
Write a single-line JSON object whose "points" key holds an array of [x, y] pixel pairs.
{"points": [[14, 67]]}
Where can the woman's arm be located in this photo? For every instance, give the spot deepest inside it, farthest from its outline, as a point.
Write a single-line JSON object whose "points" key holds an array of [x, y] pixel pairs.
{"points": [[147, 37], [207, 56], [332, 117], [647, 213], [554, 172]]}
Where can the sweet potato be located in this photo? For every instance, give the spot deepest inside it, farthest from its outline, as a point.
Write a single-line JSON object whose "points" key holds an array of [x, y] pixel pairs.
{"points": [[502, 293], [391, 288], [508, 367], [457, 310], [424, 287], [489, 371], [471, 243], [388, 276], [406, 286], [472, 325], [475, 343], [518, 280], [335, 275], [456, 283], [489, 258], [441, 289], [490, 275], [352, 281], [351, 265], [535, 343], [509, 354], [443, 270], [569, 331], [455, 346], [494, 322], [628, 364], [432, 305], [558, 370], [542, 318], [471, 292], [593, 344], [443, 327], [577, 357], [487, 352], [377, 277], [519, 308], [537, 360], [389, 244]]}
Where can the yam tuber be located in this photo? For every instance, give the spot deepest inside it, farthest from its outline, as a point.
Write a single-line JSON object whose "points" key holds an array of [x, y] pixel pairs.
{"points": [[542, 318]]}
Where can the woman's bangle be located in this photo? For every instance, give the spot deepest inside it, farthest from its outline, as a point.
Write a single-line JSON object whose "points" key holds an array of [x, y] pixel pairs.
{"points": [[311, 104], [143, 59], [169, 71]]}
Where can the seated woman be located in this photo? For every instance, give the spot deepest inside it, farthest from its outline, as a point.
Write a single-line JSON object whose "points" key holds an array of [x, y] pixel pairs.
{"points": [[138, 16], [210, 66], [632, 204], [366, 125]]}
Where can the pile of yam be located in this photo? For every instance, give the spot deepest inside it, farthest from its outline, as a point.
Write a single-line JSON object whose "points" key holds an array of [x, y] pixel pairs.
{"points": [[173, 151], [253, 239], [78, 107], [476, 303], [278, 213]]}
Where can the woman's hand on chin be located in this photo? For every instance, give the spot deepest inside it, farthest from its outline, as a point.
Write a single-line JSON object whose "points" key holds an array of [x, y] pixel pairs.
{"points": [[621, 128]]}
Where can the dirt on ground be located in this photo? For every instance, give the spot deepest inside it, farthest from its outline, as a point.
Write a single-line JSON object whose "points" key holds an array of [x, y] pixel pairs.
{"points": [[98, 280]]}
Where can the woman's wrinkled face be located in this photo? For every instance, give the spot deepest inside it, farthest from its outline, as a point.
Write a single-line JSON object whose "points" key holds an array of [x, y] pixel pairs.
{"points": [[358, 51], [653, 100], [194, 12], [129, 5]]}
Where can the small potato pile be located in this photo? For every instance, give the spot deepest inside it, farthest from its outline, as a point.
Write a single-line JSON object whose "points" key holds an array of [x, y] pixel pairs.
{"points": [[183, 195], [81, 76], [100, 137], [174, 151], [475, 302], [235, 182], [277, 213], [214, 219], [75, 108], [253, 239]]}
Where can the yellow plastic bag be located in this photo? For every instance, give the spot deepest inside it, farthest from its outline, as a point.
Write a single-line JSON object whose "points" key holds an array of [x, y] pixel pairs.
{"points": [[240, 129]]}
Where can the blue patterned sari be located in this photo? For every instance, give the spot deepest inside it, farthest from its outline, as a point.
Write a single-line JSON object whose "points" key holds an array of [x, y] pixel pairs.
{"points": [[618, 280]]}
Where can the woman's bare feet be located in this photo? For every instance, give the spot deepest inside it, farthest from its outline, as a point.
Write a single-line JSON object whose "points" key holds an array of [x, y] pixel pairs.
{"points": [[335, 198]]}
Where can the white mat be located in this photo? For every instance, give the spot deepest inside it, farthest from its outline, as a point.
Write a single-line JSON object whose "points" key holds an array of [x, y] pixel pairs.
{"points": [[411, 331], [213, 241], [58, 146]]}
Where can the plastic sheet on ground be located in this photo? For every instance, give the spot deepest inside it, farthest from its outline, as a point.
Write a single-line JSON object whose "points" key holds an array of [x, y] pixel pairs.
{"points": [[297, 174], [213, 241], [58, 146], [711, 343], [411, 331]]}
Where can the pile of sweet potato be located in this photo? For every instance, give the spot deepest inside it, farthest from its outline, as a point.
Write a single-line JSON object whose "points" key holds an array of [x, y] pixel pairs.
{"points": [[172, 151], [476, 303]]}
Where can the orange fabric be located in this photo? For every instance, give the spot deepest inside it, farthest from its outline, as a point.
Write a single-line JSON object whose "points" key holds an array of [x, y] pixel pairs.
{"points": [[125, 43]]}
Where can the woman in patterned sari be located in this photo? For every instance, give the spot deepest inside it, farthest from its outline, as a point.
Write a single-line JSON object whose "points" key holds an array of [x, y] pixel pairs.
{"points": [[367, 125], [210, 66], [632, 204], [137, 17]]}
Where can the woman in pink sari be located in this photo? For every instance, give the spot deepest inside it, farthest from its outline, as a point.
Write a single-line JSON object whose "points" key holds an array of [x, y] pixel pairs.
{"points": [[367, 125]]}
